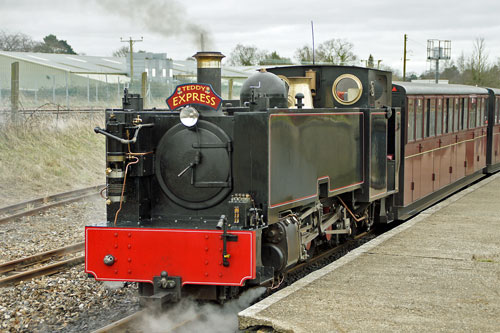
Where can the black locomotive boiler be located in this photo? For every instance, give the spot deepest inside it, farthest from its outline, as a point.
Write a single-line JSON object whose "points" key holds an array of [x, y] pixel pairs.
{"points": [[214, 197]]}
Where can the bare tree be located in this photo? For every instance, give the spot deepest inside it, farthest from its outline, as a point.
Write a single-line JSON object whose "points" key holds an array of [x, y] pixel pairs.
{"points": [[273, 58], [337, 51], [121, 52], [17, 42], [243, 55], [304, 54], [478, 62]]}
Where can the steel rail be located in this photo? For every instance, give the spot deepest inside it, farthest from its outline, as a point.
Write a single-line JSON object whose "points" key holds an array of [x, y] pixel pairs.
{"points": [[182, 324], [122, 324], [40, 257], [127, 322], [34, 206], [329, 252], [44, 270]]}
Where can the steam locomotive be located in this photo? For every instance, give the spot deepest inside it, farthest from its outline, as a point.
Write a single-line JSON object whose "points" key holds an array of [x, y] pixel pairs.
{"points": [[209, 196]]}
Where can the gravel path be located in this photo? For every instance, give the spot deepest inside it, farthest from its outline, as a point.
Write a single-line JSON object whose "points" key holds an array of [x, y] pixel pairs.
{"points": [[68, 301]]}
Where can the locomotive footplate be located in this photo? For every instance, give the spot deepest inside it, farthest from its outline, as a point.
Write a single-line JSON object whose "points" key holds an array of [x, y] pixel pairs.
{"points": [[195, 256]]}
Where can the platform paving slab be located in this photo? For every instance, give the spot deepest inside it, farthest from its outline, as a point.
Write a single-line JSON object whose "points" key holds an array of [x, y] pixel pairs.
{"points": [[438, 272]]}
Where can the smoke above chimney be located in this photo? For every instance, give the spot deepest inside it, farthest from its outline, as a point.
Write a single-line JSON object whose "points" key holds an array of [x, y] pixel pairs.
{"points": [[168, 18]]}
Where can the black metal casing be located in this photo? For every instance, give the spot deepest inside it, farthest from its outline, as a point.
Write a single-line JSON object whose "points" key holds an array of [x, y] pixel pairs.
{"points": [[281, 158]]}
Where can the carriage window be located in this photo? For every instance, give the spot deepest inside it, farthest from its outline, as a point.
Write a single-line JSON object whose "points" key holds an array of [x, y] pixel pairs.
{"points": [[439, 116], [472, 112], [479, 112], [449, 115], [484, 115], [411, 119], [456, 115], [419, 119], [464, 111], [430, 118]]}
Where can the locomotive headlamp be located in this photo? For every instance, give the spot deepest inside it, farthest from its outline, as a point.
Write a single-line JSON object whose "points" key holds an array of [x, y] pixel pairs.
{"points": [[189, 116]]}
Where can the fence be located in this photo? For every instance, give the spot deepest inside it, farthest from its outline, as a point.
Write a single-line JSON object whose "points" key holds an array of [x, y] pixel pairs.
{"points": [[50, 88]]}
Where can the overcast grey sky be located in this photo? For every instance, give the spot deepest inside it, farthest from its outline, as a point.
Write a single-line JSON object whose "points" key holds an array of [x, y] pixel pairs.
{"points": [[94, 27]]}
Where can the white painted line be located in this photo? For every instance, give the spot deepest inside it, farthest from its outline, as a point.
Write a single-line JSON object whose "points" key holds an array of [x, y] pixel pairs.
{"points": [[252, 312]]}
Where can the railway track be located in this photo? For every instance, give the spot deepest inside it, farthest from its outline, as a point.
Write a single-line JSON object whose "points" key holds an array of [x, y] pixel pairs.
{"points": [[129, 324], [32, 207], [325, 254], [123, 324], [19, 270]]}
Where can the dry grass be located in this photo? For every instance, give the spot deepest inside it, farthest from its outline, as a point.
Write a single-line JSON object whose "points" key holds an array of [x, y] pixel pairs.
{"points": [[44, 155]]}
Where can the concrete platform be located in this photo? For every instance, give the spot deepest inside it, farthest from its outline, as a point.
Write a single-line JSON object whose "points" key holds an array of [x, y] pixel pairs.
{"points": [[439, 271]]}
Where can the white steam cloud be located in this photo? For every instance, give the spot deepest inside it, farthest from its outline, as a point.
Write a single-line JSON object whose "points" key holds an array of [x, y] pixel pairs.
{"points": [[210, 318]]}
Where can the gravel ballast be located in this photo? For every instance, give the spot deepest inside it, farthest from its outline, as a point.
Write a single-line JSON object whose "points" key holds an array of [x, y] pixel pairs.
{"points": [[68, 301]]}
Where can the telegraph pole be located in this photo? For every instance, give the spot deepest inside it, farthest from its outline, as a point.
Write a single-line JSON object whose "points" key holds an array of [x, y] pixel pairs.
{"points": [[131, 50], [404, 59]]}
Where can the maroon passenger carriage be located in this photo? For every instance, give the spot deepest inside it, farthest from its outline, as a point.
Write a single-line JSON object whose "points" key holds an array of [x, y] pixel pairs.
{"points": [[450, 138]]}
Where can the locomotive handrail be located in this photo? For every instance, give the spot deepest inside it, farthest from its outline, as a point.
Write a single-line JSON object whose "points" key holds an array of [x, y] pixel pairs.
{"points": [[124, 141]]}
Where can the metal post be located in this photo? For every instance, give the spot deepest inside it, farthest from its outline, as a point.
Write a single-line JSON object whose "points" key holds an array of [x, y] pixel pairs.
{"points": [[107, 88], [67, 91], [149, 93], [36, 92], [54, 89], [312, 33], [144, 82], [14, 90], [404, 59], [118, 88], [96, 90], [230, 92], [437, 70], [88, 89]]}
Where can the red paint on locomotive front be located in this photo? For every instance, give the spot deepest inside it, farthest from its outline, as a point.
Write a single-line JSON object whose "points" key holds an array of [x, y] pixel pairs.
{"points": [[194, 255]]}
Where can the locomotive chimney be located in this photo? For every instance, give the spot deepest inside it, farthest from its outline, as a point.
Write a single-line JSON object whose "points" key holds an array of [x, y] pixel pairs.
{"points": [[209, 69]]}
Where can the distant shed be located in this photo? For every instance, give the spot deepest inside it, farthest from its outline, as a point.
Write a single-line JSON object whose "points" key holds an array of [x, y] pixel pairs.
{"points": [[59, 78], [39, 70]]}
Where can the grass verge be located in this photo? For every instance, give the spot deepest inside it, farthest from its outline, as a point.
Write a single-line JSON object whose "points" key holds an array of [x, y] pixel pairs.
{"points": [[45, 155]]}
